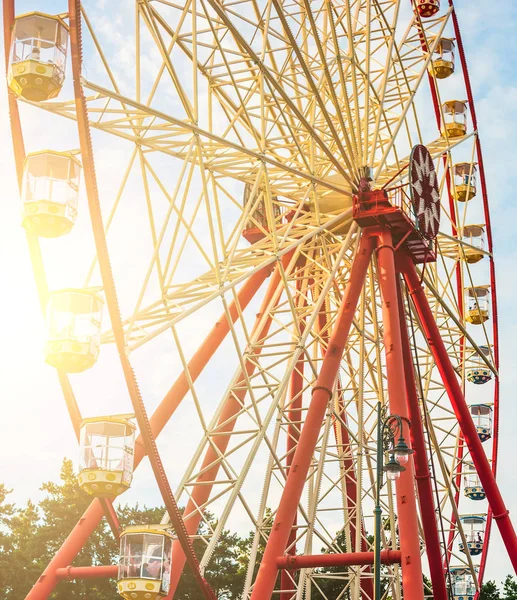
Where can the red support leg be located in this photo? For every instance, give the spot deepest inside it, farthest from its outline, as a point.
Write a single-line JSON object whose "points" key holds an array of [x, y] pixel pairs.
{"points": [[406, 501], [322, 392], [461, 410], [226, 423], [422, 474]]}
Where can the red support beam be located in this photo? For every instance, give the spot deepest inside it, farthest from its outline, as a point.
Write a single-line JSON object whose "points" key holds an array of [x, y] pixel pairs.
{"points": [[226, 423], [461, 410], [321, 395], [406, 502], [422, 474], [104, 572], [316, 561]]}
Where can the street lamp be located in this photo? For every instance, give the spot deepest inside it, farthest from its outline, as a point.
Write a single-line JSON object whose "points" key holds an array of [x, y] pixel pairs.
{"points": [[389, 429]]}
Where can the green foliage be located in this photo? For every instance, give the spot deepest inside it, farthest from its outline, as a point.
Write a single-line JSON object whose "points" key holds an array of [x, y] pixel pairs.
{"points": [[489, 591], [510, 588]]}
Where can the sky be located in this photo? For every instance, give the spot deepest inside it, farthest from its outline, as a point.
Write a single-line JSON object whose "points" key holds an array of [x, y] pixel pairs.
{"points": [[36, 431]]}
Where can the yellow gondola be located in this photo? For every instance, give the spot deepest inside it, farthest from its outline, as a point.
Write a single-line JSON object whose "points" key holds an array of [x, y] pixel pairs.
{"points": [[74, 323], [464, 181], [145, 562], [455, 115], [443, 63], [106, 456], [50, 192], [477, 301], [473, 240], [39, 44]]}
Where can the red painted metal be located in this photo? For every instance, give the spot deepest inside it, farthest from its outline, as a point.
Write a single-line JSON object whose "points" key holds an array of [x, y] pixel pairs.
{"points": [[226, 423], [392, 208], [322, 393], [388, 557], [68, 551], [406, 502], [295, 414], [461, 410], [101, 572], [420, 458]]}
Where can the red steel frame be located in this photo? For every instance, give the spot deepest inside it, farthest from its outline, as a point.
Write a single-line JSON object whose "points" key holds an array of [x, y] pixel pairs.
{"points": [[400, 384]]}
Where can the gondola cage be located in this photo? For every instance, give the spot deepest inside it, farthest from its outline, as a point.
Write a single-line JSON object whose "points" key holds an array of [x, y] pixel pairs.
{"points": [[50, 192], [478, 371], [474, 529], [477, 304], [473, 241], [74, 325], [145, 562], [106, 456], [428, 8], [443, 63], [463, 584], [472, 487], [39, 43], [465, 175], [455, 115], [482, 418]]}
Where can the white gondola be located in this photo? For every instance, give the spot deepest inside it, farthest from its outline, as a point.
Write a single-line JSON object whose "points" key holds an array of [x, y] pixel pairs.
{"points": [[477, 371], [474, 529], [472, 487], [482, 418]]}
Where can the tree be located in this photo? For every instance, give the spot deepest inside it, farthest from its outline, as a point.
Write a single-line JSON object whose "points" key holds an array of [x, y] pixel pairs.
{"points": [[510, 588], [489, 591]]}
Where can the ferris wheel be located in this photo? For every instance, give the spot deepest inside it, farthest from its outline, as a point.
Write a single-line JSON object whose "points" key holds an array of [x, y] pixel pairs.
{"points": [[283, 202]]}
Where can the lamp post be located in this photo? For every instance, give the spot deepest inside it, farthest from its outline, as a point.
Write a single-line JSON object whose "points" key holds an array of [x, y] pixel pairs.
{"points": [[389, 429]]}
